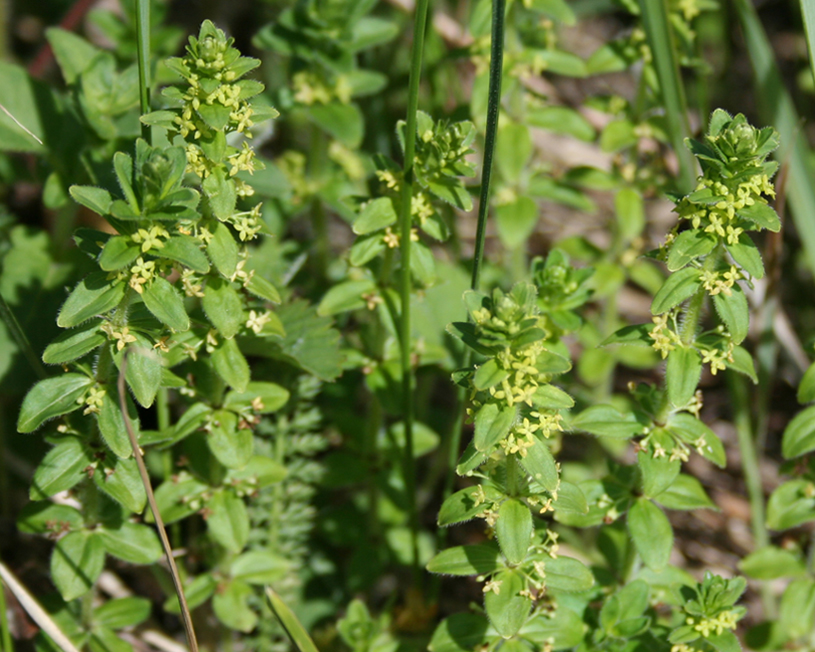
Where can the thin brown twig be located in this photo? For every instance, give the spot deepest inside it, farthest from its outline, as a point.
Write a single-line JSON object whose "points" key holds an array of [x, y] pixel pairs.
{"points": [[151, 499]]}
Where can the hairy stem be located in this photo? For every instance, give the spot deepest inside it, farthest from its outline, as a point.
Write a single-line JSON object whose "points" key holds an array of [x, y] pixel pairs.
{"points": [[405, 284], [151, 499]]}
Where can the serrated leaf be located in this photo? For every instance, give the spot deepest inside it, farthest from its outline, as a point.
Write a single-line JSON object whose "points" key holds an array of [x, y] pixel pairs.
{"points": [[118, 252], [223, 250], [541, 465], [143, 372], [96, 199], [508, 609], [374, 216], [231, 365], [746, 254], [220, 191], [489, 374], [743, 363], [762, 215], [73, 344], [692, 431], [688, 246]]}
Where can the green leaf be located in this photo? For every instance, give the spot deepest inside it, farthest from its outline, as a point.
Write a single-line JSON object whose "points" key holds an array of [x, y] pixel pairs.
{"points": [[638, 334], [166, 304], [806, 390], [343, 121], [561, 120], [231, 365], [76, 563], [186, 250], [743, 363], [677, 287], [686, 493], [223, 307], [43, 517], [541, 465], [143, 372], [507, 609], [516, 221], [459, 507], [630, 213], [570, 500], [285, 616], [617, 135], [220, 191], [118, 252], [196, 592], [734, 312], [688, 246], [95, 295], [73, 53], [489, 374], [606, 421], [658, 473], [682, 374], [492, 424], [51, 398], [514, 530], [422, 264], [375, 215], [746, 254], [478, 559], [790, 505], [132, 542], [797, 608], [261, 397], [564, 626], [112, 425], [223, 250], [96, 199], [762, 215], [228, 522], [346, 296], [259, 567], [651, 532], [103, 639], [461, 632], [692, 431], [61, 468], [232, 447], [771, 563], [122, 612], [262, 288], [122, 482], [567, 574], [799, 435], [73, 344], [231, 605]]}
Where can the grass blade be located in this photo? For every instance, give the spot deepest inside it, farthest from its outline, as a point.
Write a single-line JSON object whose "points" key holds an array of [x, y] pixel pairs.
{"points": [[33, 609], [288, 621], [776, 107], [661, 41]]}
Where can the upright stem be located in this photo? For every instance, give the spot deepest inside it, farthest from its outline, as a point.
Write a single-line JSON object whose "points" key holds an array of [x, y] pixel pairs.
{"points": [[151, 499], [752, 476], [493, 106], [8, 646], [405, 285], [143, 54]]}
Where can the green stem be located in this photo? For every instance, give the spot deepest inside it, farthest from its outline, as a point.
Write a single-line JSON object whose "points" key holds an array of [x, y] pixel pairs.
{"points": [[143, 54], [512, 475], [8, 645], [493, 106], [19, 337], [752, 476], [405, 284]]}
